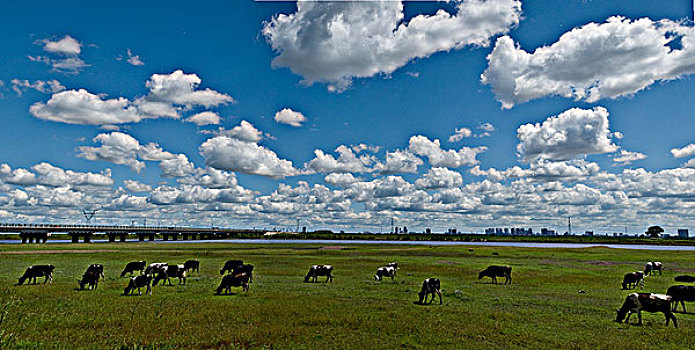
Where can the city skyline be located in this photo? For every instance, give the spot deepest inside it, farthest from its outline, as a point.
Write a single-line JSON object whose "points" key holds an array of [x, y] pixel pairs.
{"points": [[343, 115]]}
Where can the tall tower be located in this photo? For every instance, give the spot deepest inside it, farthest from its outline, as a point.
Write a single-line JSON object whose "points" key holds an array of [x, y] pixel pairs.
{"points": [[569, 225]]}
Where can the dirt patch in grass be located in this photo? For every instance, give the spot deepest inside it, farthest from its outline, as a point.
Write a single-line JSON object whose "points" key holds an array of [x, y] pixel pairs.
{"points": [[448, 262], [333, 248], [603, 263]]}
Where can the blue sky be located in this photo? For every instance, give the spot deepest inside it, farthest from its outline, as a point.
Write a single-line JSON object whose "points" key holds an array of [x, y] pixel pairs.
{"points": [[565, 108]]}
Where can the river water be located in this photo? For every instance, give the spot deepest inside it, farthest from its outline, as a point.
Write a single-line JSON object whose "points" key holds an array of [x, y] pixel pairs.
{"points": [[427, 243]]}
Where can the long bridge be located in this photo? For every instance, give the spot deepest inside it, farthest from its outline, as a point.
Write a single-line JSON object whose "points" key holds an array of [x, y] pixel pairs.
{"points": [[30, 233]]}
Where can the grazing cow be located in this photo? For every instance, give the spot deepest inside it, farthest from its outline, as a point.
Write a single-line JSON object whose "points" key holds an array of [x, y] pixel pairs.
{"points": [[192, 265], [90, 278], [229, 281], [230, 265], [165, 274], [393, 264], [680, 293], [649, 302], [497, 271], [244, 268], [37, 271], [387, 271], [430, 286], [155, 268], [138, 282], [133, 266], [319, 270], [631, 279], [651, 267], [685, 278], [96, 268]]}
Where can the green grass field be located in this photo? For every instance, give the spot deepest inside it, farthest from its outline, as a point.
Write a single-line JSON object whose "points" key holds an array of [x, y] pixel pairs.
{"points": [[541, 309]]}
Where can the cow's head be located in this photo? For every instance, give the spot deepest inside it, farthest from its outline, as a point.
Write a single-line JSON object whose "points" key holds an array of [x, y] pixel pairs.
{"points": [[481, 274], [620, 315]]}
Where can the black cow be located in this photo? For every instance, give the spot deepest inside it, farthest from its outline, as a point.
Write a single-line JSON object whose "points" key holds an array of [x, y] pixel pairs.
{"points": [[319, 270], [497, 271], [651, 267], [230, 265], [649, 302], [631, 279], [133, 266], [229, 281], [680, 293], [191, 265], [37, 271], [685, 278], [138, 282], [90, 278], [245, 268], [386, 271], [430, 286]]}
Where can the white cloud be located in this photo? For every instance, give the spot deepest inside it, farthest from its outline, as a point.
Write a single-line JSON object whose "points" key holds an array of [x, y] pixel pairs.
{"points": [[204, 118], [340, 179], [84, 108], [177, 166], [422, 146], [49, 175], [543, 170], [399, 162], [573, 133], [290, 117], [627, 157], [439, 178], [592, 62], [347, 162], [181, 89], [245, 131], [48, 86], [168, 95], [136, 186], [687, 151], [333, 42], [134, 59], [65, 46], [460, 134], [364, 147], [123, 149], [238, 151]]}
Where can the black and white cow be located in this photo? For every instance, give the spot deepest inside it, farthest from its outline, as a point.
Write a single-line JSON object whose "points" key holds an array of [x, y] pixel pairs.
{"points": [[192, 265], [156, 268], [386, 271], [229, 281], [651, 267], [37, 271], [229, 266], [649, 302], [497, 271], [680, 293], [91, 276], [632, 279], [96, 268], [319, 270], [430, 286], [138, 282], [165, 273], [394, 265], [133, 266]]}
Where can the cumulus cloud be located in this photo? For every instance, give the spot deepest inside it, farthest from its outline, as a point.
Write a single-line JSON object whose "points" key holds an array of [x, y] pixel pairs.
{"points": [[168, 95], [204, 118], [123, 149], [237, 150], [134, 59], [460, 134], [687, 151], [347, 162], [573, 133], [47, 174], [341, 179], [627, 157], [290, 117], [399, 162], [598, 60], [47, 86], [336, 41], [437, 157], [543, 170], [64, 54], [136, 186], [439, 178]]}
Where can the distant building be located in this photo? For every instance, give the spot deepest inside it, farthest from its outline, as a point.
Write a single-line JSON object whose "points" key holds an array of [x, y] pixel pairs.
{"points": [[683, 233], [588, 233]]}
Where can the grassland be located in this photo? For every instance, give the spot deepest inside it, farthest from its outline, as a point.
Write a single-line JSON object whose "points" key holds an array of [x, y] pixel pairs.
{"points": [[541, 309]]}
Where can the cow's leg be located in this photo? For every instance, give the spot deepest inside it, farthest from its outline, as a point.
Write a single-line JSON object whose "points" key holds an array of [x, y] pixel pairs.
{"points": [[440, 296], [629, 314], [494, 279], [683, 303], [149, 290], [639, 316]]}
